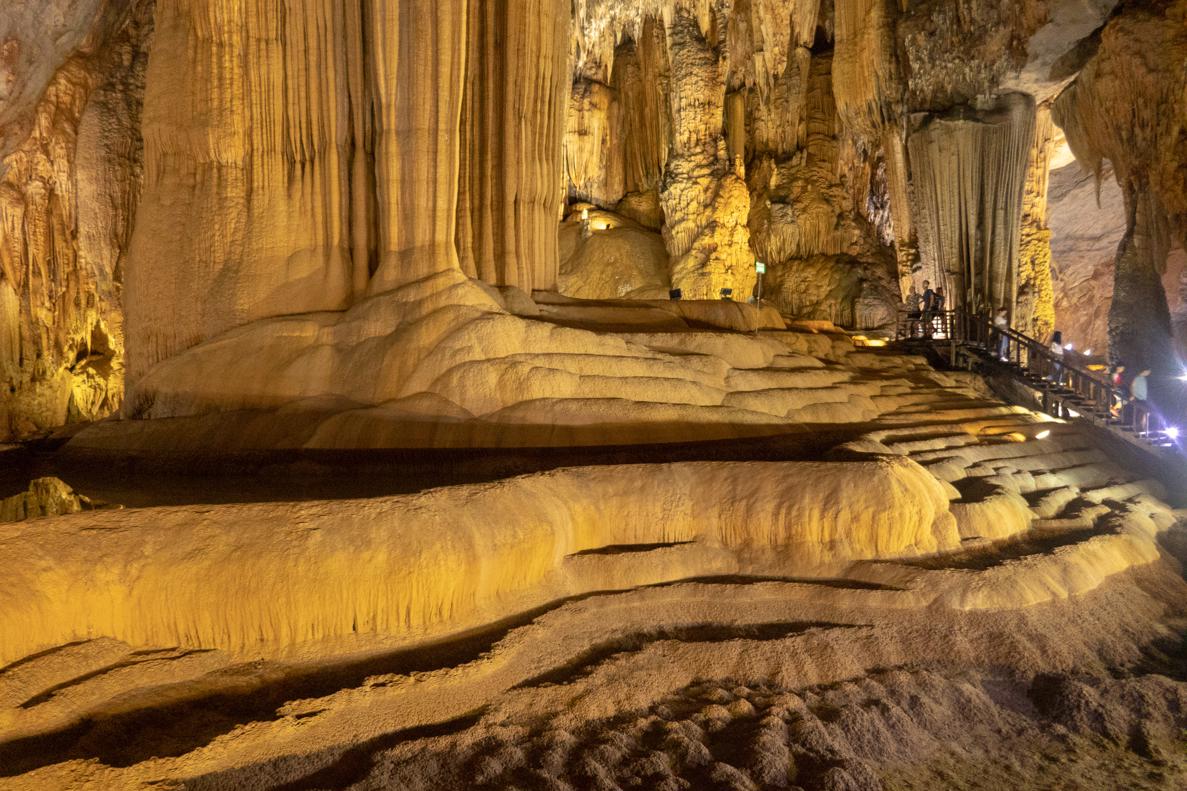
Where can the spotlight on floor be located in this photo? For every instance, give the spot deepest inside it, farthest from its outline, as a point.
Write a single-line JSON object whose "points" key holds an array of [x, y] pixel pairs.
{"points": [[1043, 434]]}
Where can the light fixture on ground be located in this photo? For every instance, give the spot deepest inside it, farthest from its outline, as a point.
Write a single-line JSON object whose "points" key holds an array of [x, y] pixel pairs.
{"points": [[1043, 434]]}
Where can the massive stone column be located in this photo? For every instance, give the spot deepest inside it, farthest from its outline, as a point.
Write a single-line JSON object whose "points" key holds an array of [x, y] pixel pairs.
{"points": [[517, 90], [1035, 308], [704, 197], [968, 172], [297, 157], [1139, 319]]}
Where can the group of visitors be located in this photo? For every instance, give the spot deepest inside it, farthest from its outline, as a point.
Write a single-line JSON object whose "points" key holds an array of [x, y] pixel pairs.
{"points": [[925, 308], [1130, 396]]}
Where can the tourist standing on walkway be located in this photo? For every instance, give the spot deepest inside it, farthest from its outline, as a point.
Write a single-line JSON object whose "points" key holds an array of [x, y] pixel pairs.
{"points": [[1120, 392], [929, 305], [1057, 353], [938, 309], [1001, 341], [1139, 394]]}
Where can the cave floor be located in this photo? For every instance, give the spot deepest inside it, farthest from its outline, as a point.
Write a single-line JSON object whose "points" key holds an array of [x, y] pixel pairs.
{"points": [[1047, 650]]}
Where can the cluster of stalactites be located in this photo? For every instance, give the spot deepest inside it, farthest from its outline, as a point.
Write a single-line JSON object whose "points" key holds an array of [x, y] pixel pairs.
{"points": [[969, 169], [1129, 106]]}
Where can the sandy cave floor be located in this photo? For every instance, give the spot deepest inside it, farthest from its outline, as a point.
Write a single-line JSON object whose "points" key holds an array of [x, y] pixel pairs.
{"points": [[1051, 657]]}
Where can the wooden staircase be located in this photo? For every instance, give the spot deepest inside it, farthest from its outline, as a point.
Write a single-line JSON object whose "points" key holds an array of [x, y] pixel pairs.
{"points": [[1063, 383]]}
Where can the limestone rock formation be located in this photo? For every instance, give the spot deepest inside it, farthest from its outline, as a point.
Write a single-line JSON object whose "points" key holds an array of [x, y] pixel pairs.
{"points": [[1085, 234], [69, 187], [1128, 106]]}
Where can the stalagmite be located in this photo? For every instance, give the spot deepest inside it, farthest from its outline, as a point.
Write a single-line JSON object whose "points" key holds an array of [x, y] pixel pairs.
{"points": [[704, 197], [1035, 308]]}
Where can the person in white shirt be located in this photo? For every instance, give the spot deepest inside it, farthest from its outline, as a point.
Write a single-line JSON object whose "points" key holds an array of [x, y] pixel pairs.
{"points": [[1001, 341], [1057, 351]]}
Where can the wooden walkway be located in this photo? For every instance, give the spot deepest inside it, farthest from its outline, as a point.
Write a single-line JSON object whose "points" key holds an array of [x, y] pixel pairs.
{"points": [[1063, 384]]}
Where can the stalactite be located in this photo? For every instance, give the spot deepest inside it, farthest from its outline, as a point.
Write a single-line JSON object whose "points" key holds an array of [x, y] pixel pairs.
{"points": [[894, 151], [593, 148], [641, 79], [517, 95], [968, 171], [866, 82], [1035, 311], [68, 193]]}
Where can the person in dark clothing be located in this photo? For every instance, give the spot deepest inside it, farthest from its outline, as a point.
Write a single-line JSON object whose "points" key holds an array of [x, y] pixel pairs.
{"points": [[938, 310], [929, 309], [1120, 390]]}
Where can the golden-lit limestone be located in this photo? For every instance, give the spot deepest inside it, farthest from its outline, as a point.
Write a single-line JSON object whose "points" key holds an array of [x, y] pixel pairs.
{"points": [[437, 561], [1034, 312], [969, 172], [824, 260], [68, 192], [593, 144], [45, 497], [623, 260], [705, 200], [867, 85], [516, 96], [291, 147], [444, 353]]}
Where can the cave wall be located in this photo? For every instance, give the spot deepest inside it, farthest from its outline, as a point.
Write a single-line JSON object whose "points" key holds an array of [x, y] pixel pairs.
{"points": [[510, 194], [919, 100], [71, 82], [311, 154], [1128, 106], [302, 161]]}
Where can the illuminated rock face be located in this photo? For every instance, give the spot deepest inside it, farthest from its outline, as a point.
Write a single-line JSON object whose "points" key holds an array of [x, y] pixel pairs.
{"points": [[318, 166], [856, 148], [71, 79], [1129, 106]]}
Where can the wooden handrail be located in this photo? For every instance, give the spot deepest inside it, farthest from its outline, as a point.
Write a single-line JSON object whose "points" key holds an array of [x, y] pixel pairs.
{"points": [[957, 327]]}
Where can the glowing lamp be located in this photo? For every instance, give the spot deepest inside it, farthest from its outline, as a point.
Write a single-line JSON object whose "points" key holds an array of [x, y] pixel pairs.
{"points": [[1172, 433], [1043, 434]]}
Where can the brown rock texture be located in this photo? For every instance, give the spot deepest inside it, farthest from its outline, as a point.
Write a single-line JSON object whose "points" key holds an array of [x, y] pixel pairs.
{"points": [[516, 97], [68, 195], [1129, 106], [1084, 239]]}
